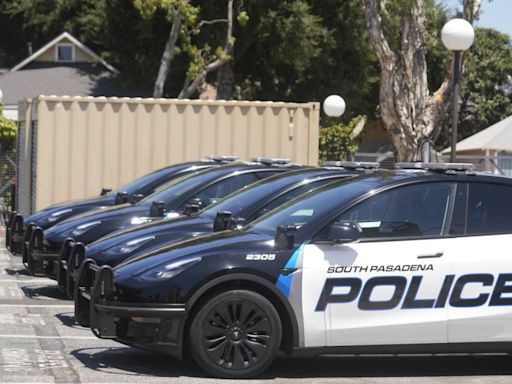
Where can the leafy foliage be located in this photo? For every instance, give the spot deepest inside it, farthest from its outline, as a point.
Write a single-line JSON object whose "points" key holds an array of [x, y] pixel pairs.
{"points": [[7, 132], [337, 141]]}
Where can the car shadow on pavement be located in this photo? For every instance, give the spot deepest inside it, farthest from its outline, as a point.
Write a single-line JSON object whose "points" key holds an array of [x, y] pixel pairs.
{"points": [[131, 360], [44, 292], [127, 360], [17, 272], [391, 366]]}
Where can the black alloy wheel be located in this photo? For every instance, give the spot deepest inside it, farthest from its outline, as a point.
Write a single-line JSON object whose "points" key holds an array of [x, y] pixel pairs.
{"points": [[236, 334]]}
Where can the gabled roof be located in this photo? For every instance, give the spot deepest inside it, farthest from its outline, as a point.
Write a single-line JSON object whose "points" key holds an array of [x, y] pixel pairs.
{"points": [[497, 137], [63, 36]]}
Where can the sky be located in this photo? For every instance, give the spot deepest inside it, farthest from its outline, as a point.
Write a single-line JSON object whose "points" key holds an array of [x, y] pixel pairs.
{"points": [[495, 14]]}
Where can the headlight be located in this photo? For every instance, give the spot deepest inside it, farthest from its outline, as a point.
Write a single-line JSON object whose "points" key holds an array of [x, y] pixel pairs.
{"points": [[55, 216], [81, 229], [129, 246], [166, 271]]}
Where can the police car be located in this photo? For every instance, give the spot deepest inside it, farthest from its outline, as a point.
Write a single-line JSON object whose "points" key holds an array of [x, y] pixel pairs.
{"points": [[200, 187], [236, 209], [19, 228], [413, 260]]}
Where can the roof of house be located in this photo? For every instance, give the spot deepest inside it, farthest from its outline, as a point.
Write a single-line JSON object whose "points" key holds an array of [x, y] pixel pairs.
{"points": [[73, 79], [37, 75], [65, 36], [497, 137]]}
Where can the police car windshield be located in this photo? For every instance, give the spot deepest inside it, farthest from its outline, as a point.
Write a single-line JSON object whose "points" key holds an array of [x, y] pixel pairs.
{"points": [[185, 186], [137, 186], [255, 193], [307, 208]]}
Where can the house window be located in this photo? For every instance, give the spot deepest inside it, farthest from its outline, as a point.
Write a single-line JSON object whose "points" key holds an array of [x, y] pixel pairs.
{"points": [[65, 52]]}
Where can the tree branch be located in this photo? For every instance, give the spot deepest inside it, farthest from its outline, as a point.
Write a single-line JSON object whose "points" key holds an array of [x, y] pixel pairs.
{"points": [[373, 19], [167, 56], [190, 86]]}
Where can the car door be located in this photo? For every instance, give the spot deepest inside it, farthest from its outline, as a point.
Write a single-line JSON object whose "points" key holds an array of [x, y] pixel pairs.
{"points": [[480, 305], [388, 287]]}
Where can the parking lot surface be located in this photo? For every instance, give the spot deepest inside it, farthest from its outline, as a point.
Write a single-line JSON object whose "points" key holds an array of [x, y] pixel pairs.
{"points": [[39, 342]]}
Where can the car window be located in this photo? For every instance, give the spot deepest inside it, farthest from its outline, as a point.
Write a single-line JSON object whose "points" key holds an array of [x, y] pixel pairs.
{"points": [[222, 188], [410, 211], [305, 210], [489, 209], [285, 197]]}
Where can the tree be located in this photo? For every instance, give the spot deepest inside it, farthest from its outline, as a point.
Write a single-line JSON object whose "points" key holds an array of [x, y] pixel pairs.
{"points": [[409, 109], [486, 91]]}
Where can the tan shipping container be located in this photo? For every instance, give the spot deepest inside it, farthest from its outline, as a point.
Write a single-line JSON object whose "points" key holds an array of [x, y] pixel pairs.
{"points": [[71, 147]]}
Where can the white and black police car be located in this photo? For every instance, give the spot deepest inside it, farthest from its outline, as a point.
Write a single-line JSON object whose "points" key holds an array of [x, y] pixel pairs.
{"points": [[406, 261]]}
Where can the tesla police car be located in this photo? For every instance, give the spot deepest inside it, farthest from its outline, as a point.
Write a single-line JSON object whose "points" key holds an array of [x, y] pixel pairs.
{"points": [[234, 210], [201, 187], [19, 228], [404, 261]]}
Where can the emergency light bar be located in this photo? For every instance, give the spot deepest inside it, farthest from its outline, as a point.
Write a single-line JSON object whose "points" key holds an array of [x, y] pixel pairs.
{"points": [[462, 167], [352, 164]]}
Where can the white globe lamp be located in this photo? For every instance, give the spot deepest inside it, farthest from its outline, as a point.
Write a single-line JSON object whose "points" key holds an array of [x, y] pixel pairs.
{"points": [[458, 35], [334, 106]]}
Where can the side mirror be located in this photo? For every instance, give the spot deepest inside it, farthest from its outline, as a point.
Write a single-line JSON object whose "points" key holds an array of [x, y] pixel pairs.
{"points": [[157, 209], [285, 237], [121, 198], [222, 221], [134, 199], [104, 191], [344, 232], [191, 209]]}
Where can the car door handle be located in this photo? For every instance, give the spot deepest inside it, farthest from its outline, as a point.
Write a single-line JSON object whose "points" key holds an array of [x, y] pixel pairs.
{"points": [[433, 256]]}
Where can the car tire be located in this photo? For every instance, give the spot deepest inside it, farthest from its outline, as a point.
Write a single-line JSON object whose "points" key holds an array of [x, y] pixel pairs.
{"points": [[235, 334]]}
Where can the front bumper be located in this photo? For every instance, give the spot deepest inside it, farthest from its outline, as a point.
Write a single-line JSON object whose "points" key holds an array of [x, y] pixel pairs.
{"points": [[14, 234], [149, 326], [36, 258]]}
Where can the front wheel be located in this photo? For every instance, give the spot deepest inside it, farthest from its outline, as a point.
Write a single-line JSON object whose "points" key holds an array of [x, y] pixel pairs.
{"points": [[235, 334]]}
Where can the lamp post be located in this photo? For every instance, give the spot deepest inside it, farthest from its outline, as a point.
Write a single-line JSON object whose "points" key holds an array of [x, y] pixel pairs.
{"points": [[334, 106], [457, 36], [1, 97]]}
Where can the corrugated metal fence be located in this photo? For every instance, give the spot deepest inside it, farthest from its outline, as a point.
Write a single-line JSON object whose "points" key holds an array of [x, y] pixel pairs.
{"points": [[71, 147]]}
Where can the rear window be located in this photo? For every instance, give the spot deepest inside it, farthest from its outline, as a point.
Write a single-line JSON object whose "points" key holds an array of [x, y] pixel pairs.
{"points": [[489, 209]]}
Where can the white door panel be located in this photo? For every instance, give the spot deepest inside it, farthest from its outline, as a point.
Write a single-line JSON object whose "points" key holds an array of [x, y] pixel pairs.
{"points": [[375, 312], [482, 320]]}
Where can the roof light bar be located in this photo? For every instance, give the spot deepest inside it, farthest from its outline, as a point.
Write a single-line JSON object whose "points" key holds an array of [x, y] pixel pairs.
{"points": [[271, 160], [352, 164], [222, 159], [463, 167]]}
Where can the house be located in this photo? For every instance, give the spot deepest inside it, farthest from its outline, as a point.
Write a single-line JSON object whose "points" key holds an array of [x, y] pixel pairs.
{"points": [[490, 149], [64, 66]]}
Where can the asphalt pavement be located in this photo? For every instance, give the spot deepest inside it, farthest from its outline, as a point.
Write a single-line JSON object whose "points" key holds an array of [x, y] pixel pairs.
{"points": [[39, 343]]}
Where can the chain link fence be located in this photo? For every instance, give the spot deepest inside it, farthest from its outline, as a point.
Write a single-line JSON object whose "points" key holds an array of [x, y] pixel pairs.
{"points": [[7, 183]]}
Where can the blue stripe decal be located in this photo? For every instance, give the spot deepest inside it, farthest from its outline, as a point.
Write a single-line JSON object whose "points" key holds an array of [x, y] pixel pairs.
{"points": [[284, 282]]}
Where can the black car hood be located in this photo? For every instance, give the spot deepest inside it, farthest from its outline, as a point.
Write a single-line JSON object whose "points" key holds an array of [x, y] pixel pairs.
{"points": [[107, 250], [68, 209], [111, 219], [206, 245]]}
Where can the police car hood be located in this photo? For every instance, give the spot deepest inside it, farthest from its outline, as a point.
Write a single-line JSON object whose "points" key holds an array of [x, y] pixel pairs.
{"points": [[215, 244], [109, 219], [62, 211], [121, 245]]}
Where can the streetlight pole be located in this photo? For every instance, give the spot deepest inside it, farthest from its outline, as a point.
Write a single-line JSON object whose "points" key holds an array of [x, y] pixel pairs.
{"points": [[457, 36], [455, 111]]}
